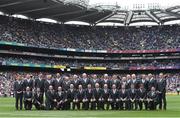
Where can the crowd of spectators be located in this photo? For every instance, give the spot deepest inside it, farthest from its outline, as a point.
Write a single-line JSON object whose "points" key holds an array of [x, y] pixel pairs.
{"points": [[86, 37], [7, 79], [82, 63]]}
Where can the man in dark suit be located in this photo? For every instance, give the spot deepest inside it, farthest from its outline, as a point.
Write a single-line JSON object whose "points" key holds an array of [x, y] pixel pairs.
{"points": [[38, 99], [89, 96], [28, 82], [132, 93], [71, 94], [134, 81], [51, 101], [48, 82], [39, 83], [144, 81], [106, 80], [61, 98], [106, 97], [57, 82], [115, 81], [152, 82], [128, 81], [84, 81], [114, 93], [141, 97], [80, 98], [152, 98], [75, 81], [95, 80], [124, 82], [97, 92], [18, 91], [28, 96], [66, 83], [162, 91], [123, 96]]}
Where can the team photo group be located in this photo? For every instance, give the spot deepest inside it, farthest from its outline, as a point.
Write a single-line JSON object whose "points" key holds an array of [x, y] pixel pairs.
{"points": [[85, 92]]}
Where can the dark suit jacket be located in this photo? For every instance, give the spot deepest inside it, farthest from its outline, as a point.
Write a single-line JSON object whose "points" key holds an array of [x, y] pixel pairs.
{"points": [[93, 82], [108, 82], [56, 84], [61, 96], [141, 94], [89, 94], [145, 83], [50, 96], [66, 85], [85, 83], [38, 98], [80, 95], [106, 94], [28, 84], [97, 93], [116, 82], [131, 94], [161, 85], [39, 84], [152, 83], [47, 84], [75, 83], [18, 87], [123, 95], [71, 94], [28, 96], [114, 95], [151, 96]]}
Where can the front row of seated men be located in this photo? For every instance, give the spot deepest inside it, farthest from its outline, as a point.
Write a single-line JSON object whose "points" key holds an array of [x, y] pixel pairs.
{"points": [[92, 99]]}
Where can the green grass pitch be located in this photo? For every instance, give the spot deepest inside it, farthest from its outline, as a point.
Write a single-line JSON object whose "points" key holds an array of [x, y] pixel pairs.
{"points": [[7, 110]]}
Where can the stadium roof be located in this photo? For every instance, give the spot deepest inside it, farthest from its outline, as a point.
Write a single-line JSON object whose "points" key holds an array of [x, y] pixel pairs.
{"points": [[65, 11]]}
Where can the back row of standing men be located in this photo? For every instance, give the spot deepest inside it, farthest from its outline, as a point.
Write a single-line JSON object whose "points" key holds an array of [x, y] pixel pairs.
{"points": [[93, 93]]}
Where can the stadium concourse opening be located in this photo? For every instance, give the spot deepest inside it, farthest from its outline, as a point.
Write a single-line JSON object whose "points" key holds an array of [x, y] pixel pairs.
{"points": [[60, 55]]}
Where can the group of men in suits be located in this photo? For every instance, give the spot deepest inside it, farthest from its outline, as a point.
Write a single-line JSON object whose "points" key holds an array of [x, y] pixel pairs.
{"points": [[65, 93]]}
